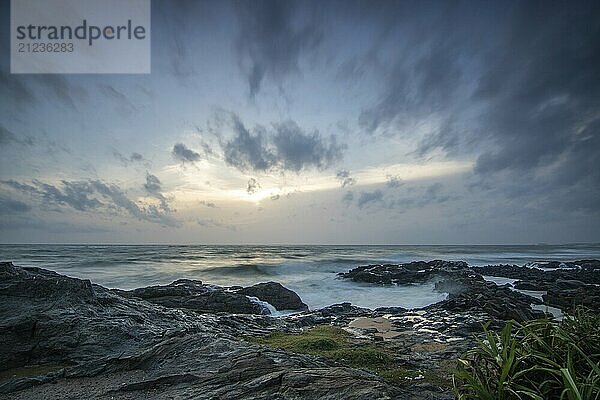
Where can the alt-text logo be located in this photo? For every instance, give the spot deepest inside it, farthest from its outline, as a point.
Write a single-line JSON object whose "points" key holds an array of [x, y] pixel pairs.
{"points": [[80, 36]]}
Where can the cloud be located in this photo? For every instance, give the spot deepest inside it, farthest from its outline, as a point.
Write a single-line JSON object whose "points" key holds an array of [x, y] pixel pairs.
{"points": [[284, 147], [208, 204], [272, 38], [36, 225], [152, 184], [133, 158], [523, 102], [8, 137], [297, 150], [345, 178], [74, 194], [212, 223], [253, 186], [434, 194], [394, 181], [33, 89], [121, 102], [19, 92], [184, 154], [422, 196], [348, 197], [367, 198], [10, 206], [94, 196], [136, 157], [246, 151], [154, 187]]}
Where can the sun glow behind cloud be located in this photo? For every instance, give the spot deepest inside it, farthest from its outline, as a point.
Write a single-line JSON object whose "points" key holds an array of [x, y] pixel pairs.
{"points": [[218, 183]]}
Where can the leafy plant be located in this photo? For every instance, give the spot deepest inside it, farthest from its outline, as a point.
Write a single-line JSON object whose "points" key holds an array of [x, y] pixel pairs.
{"points": [[540, 359]]}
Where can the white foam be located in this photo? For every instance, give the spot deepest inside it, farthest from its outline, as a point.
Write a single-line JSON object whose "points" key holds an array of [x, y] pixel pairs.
{"points": [[556, 312], [500, 281], [274, 312]]}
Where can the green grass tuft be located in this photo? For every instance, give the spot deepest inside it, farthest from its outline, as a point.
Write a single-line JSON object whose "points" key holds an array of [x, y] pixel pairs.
{"points": [[334, 343]]}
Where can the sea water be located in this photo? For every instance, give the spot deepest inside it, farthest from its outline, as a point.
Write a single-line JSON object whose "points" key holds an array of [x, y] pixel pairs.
{"points": [[311, 271]]}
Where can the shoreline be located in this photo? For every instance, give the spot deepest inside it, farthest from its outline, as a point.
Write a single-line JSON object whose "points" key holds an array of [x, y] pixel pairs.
{"points": [[65, 336]]}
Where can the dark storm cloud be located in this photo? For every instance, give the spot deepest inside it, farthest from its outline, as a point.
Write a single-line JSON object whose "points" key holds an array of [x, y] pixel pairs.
{"points": [[184, 154], [297, 150], [93, 196], [273, 37], [367, 198], [253, 186], [247, 151], [523, 102], [345, 178], [284, 147]]}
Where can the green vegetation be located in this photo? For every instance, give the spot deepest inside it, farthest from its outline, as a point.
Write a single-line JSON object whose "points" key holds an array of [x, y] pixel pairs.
{"points": [[334, 343], [538, 360]]}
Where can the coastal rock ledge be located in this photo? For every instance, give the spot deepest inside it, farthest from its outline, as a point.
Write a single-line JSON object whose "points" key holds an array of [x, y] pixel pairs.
{"points": [[62, 337], [66, 338]]}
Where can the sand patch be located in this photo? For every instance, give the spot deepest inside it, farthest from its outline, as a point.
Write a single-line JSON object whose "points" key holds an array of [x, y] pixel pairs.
{"points": [[381, 326]]}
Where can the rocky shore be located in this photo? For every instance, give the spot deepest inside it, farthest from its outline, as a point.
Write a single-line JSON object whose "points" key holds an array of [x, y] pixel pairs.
{"points": [[62, 337]]}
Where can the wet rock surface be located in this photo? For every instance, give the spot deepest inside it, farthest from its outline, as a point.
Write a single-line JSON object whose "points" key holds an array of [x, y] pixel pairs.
{"points": [[566, 284], [200, 297], [275, 294], [399, 274], [467, 290], [470, 292], [194, 295]]}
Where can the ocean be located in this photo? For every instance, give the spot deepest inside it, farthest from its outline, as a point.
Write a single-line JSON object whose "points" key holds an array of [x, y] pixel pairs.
{"points": [[311, 271]]}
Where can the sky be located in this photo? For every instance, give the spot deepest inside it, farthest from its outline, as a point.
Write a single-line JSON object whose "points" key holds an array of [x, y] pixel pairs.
{"points": [[316, 122]]}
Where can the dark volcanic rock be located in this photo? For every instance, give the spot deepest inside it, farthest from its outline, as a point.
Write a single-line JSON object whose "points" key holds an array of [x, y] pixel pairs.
{"points": [[275, 294], [568, 284], [414, 272], [470, 292], [82, 341], [194, 295], [569, 296], [585, 270]]}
